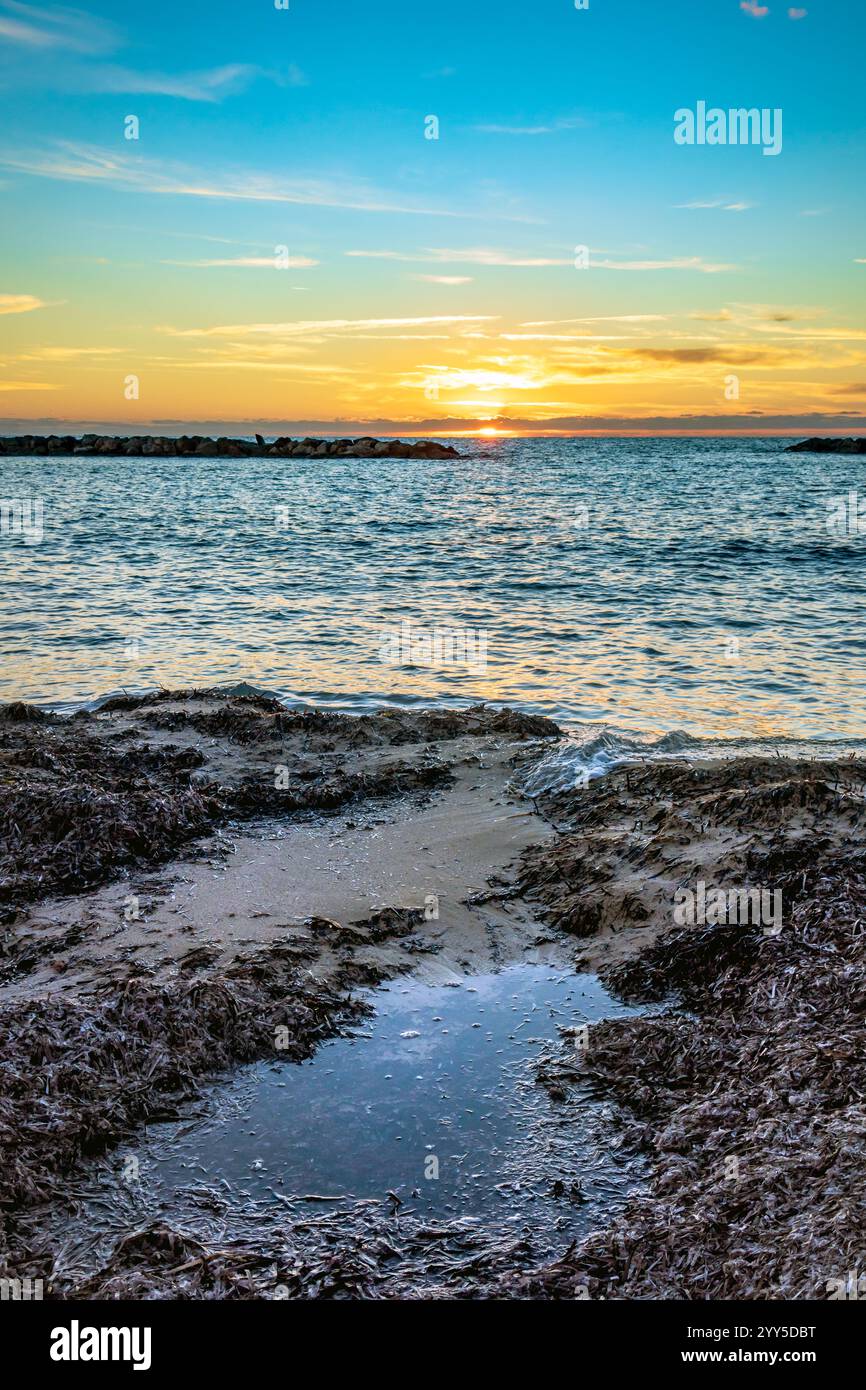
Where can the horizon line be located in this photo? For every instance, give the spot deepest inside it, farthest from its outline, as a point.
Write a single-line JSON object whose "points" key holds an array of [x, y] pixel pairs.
{"points": [[697, 426]]}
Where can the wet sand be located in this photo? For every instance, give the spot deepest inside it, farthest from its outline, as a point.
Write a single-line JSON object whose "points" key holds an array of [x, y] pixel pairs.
{"points": [[190, 876], [203, 823]]}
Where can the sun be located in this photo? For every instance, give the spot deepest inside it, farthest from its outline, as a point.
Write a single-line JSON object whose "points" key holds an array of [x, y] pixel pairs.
{"points": [[488, 429]]}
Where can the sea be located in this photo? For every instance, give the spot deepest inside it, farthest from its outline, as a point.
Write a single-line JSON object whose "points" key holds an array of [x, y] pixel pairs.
{"points": [[651, 590]]}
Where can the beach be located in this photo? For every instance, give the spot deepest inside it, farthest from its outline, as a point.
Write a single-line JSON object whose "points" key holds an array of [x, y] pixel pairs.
{"points": [[196, 882], [432, 715]]}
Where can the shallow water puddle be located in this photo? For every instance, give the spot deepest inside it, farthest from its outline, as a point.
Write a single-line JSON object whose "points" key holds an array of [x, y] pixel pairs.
{"points": [[435, 1100]]}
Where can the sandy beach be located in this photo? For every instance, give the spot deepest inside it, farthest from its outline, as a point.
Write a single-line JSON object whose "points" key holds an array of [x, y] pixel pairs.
{"points": [[193, 881]]}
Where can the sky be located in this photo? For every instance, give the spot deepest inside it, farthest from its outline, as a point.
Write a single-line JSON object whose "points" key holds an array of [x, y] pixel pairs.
{"points": [[284, 243]]}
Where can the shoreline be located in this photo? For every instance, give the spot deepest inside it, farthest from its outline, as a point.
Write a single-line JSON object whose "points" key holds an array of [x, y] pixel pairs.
{"points": [[177, 906]]}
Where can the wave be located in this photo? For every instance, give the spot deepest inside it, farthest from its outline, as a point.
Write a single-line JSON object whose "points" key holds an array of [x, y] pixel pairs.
{"points": [[589, 754]]}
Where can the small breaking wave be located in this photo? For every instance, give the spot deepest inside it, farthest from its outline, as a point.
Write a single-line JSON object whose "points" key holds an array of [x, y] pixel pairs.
{"points": [[591, 753]]}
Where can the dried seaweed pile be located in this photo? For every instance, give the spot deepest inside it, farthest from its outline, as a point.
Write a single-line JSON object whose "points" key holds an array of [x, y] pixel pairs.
{"points": [[254, 718], [630, 839], [752, 1105], [74, 808], [368, 1251]]}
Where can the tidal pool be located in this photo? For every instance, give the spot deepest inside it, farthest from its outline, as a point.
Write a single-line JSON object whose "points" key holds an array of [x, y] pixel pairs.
{"points": [[432, 1106]]}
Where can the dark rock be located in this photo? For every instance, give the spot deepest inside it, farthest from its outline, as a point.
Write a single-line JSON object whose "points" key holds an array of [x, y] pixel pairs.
{"points": [[818, 445], [160, 446]]}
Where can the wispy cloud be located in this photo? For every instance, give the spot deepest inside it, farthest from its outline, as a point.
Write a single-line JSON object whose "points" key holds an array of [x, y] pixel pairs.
{"points": [[597, 318], [67, 354], [211, 85], [293, 76], [301, 327], [545, 128], [55, 27], [696, 263], [28, 386], [472, 255], [445, 279], [721, 203], [736, 356], [249, 262], [486, 256], [70, 162], [755, 10], [20, 303]]}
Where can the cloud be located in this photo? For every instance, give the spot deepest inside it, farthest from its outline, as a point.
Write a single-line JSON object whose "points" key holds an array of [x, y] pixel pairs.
{"points": [[797, 14], [717, 203], [488, 257], [756, 11], [581, 339], [67, 354], [677, 263], [599, 318], [327, 371], [134, 173], [55, 27], [473, 255], [20, 303], [28, 386], [445, 279], [210, 85], [301, 327], [551, 128], [293, 77], [738, 357], [250, 262]]}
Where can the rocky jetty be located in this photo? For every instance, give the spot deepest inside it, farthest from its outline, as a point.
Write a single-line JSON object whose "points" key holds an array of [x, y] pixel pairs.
{"points": [[197, 445], [828, 446]]}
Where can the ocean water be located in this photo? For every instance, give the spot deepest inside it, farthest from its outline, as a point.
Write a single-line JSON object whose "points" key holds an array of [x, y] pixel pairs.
{"points": [[706, 587]]}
